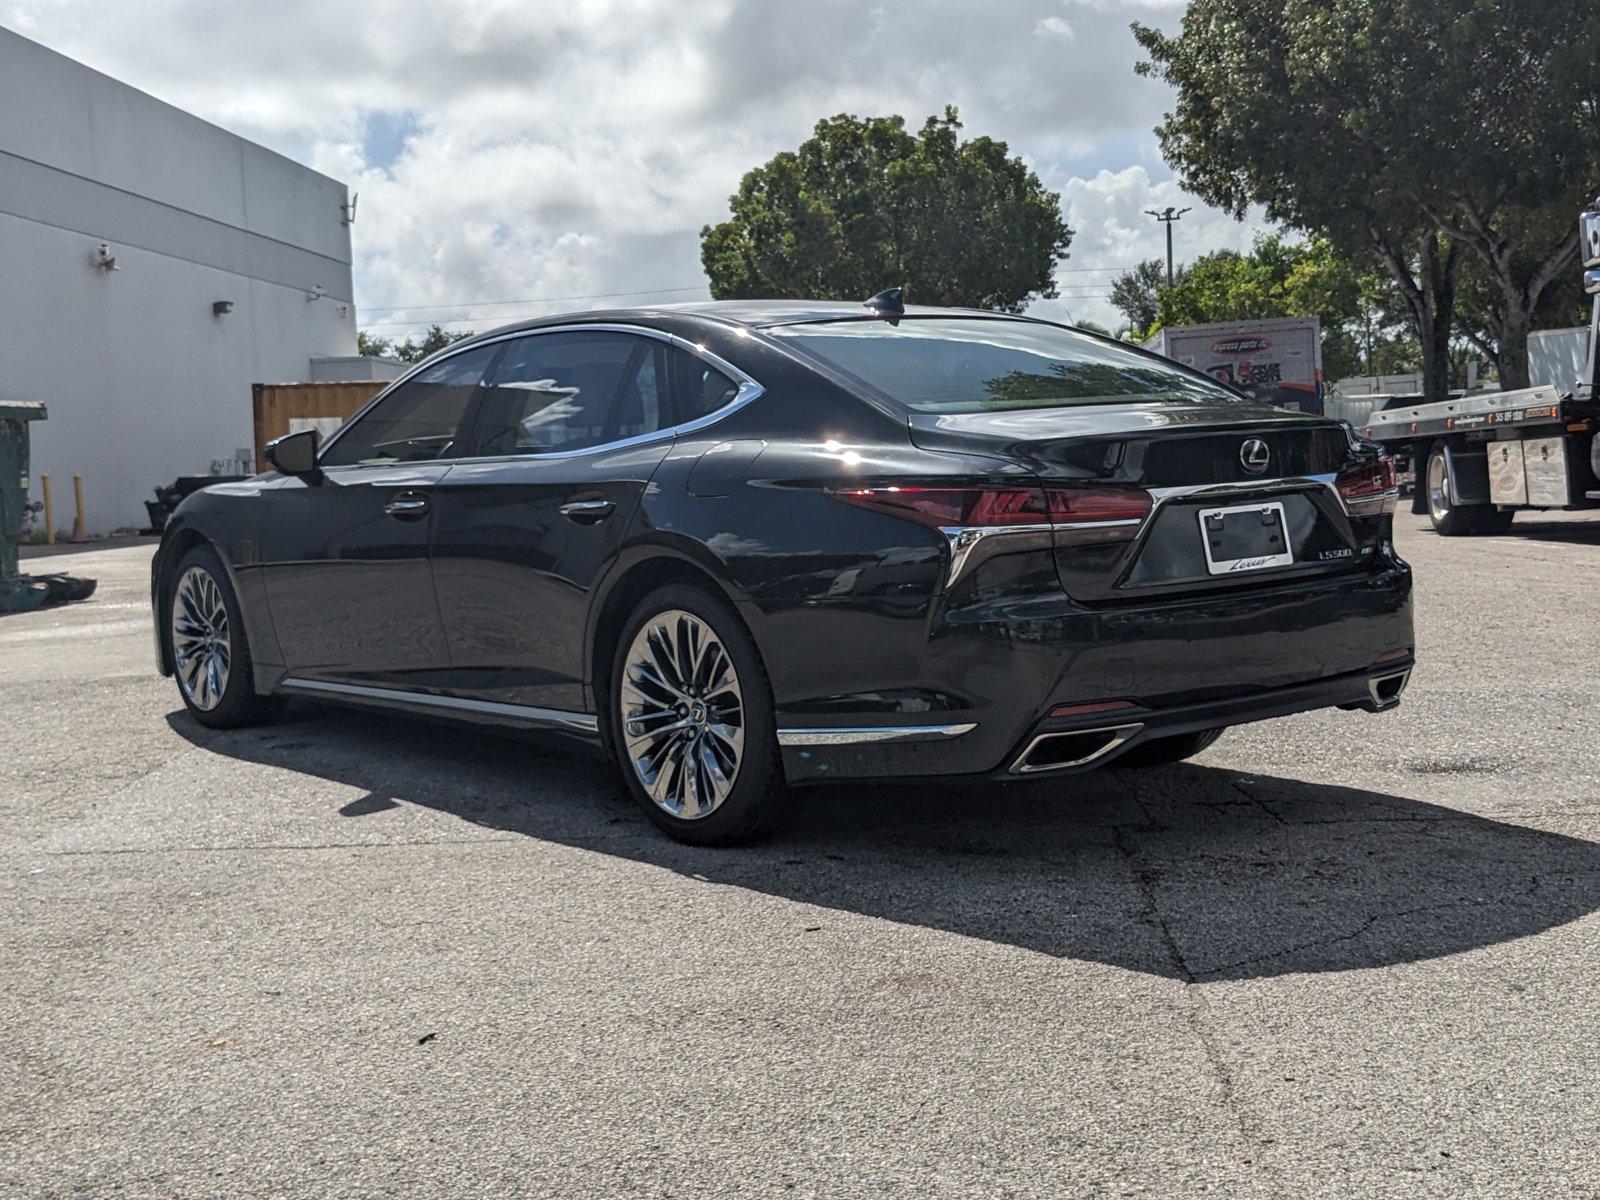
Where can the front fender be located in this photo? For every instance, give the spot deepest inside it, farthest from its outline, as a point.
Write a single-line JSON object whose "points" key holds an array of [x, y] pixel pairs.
{"points": [[227, 517]]}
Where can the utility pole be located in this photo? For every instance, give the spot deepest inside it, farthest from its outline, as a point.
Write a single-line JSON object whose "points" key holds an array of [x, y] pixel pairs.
{"points": [[1167, 216]]}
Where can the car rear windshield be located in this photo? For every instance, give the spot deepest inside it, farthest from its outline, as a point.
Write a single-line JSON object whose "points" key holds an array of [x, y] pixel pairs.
{"points": [[956, 365]]}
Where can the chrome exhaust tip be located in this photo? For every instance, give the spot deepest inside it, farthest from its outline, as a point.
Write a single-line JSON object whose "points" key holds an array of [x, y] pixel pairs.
{"points": [[1385, 690], [1072, 748]]}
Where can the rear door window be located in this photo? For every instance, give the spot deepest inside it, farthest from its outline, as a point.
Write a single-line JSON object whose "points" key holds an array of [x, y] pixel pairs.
{"points": [[955, 365], [699, 387], [571, 391]]}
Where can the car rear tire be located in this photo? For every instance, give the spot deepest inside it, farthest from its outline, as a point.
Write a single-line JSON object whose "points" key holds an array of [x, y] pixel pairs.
{"points": [[1160, 751], [690, 720], [1457, 520], [210, 652]]}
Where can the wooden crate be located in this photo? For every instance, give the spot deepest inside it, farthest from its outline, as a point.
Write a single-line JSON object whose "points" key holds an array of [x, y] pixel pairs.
{"points": [[281, 408]]}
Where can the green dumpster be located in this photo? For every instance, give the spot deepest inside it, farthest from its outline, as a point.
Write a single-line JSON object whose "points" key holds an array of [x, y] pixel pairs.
{"points": [[16, 591]]}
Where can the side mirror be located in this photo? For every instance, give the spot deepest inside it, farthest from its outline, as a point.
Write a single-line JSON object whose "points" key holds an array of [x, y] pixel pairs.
{"points": [[1589, 238], [294, 453]]}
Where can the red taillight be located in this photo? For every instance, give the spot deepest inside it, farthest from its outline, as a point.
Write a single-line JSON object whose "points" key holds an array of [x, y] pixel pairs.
{"points": [[1001, 505], [1080, 505], [949, 507], [1370, 488]]}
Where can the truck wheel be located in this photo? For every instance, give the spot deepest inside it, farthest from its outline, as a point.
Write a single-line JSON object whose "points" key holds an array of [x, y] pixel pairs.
{"points": [[1457, 520]]}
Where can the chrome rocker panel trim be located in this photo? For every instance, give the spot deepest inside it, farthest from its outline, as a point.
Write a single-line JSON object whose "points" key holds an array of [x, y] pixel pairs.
{"points": [[583, 724], [858, 735]]}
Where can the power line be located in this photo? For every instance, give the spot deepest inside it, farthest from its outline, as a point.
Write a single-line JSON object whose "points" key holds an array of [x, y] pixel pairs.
{"points": [[700, 287]]}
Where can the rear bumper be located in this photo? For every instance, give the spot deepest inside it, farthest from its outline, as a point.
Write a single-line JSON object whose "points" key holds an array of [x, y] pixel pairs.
{"points": [[1174, 667]]}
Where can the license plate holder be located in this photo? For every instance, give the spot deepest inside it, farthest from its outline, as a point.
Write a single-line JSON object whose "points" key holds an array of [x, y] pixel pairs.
{"points": [[1245, 537]]}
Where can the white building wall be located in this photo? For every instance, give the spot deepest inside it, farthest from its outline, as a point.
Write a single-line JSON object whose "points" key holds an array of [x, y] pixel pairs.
{"points": [[143, 381]]}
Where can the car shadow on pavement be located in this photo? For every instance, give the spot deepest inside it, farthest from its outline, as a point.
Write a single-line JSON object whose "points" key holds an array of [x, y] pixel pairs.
{"points": [[1187, 872]]}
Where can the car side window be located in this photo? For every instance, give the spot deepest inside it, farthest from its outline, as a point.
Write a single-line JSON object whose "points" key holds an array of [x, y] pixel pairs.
{"points": [[420, 420], [700, 388], [571, 391]]}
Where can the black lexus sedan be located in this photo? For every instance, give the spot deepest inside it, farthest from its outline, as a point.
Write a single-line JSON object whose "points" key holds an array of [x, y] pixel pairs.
{"points": [[744, 546]]}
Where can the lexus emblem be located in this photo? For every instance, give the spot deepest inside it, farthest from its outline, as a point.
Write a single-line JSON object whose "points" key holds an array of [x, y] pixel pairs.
{"points": [[1254, 456]]}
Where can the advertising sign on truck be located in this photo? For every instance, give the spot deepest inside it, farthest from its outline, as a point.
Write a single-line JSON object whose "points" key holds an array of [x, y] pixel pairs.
{"points": [[1278, 361]]}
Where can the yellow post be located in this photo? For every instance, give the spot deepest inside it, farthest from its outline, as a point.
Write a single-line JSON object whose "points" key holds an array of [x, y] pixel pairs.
{"points": [[49, 512], [78, 533]]}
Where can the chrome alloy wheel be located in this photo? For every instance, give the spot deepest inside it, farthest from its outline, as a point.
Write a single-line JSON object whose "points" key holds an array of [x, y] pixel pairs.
{"points": [[682, 714], [201, 649]]}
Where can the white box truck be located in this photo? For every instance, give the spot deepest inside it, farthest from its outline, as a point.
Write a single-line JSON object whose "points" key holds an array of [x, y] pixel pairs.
{"points": [[1278, 360]]}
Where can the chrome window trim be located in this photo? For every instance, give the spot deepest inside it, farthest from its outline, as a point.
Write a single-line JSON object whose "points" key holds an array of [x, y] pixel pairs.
{"points": [[863, 735], [586, 724], [748, 390]]}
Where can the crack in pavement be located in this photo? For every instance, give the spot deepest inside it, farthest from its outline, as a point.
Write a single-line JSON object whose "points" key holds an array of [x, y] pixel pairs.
{"points": [[1249, 1123], [1374, 919]]}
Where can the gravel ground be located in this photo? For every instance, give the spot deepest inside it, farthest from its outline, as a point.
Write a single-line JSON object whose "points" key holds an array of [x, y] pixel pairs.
{"points": [[350, 955]]}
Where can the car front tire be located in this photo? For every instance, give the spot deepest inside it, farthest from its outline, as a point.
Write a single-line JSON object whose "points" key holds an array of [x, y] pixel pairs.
{"points": [[210, 652], [691, 722]]}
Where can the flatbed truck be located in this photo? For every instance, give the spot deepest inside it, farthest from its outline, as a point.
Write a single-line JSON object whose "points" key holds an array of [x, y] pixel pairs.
{"points": [[1475, 460]]}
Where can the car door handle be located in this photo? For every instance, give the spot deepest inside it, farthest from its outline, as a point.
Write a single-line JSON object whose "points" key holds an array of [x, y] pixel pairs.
{"points": [[407, 506], [587, 512]]}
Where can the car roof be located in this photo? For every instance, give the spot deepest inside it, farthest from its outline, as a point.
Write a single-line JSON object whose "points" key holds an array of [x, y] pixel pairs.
{"points": [[750, 314]]}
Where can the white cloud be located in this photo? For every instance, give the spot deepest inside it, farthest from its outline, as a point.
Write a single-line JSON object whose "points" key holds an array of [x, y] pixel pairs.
{"points": [[506, 150], [1108, 211]]}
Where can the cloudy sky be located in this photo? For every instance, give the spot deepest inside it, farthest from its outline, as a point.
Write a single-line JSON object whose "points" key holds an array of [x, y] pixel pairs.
{"points": [[560, 155]]}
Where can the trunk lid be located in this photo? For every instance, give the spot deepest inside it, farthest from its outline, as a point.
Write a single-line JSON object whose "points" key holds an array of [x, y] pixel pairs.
{"points": [[1151, 445], [1194, 459]]}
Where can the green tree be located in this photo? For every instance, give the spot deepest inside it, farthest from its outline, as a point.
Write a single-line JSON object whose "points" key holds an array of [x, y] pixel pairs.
{"points": [[1278, 278], [1495, 128], [863, 205], [1246, 129], [1424, 129], [1137, 293], [1481, 308], [436, 339]]}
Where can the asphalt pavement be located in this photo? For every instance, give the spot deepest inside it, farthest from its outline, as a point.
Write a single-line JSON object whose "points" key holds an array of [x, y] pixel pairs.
{"points": [[353, 955]]}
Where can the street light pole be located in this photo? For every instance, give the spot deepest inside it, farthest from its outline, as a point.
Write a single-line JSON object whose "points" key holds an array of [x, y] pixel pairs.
{"points": [[1167, 217]]}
